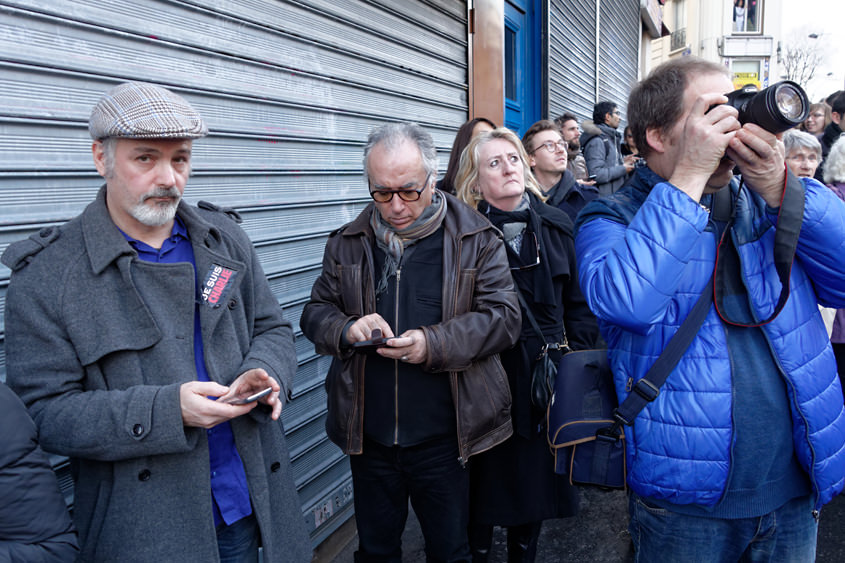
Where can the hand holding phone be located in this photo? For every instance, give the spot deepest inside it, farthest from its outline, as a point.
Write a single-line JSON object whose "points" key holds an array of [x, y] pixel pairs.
{"points": [[375, 341], [250, 398]]}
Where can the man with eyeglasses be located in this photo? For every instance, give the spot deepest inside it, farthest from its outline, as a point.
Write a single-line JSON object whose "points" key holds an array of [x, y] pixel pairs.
{"points": [[432, 276], [601, 142], [547, 156]]}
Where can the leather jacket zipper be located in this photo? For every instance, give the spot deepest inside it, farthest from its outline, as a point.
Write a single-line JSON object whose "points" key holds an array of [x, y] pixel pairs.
{"points": [[396, 362]]}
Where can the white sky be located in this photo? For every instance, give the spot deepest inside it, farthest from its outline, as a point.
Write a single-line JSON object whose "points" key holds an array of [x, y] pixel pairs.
{"points": [[824, 17]]}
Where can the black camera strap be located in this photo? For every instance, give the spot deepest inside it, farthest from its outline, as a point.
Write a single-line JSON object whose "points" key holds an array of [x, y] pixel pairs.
{"points": [[790, 218]]}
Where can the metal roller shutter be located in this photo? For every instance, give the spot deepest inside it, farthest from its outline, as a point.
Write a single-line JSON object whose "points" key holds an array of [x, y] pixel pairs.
{"points": [[289, 89], [572, 57], [619, 39]]}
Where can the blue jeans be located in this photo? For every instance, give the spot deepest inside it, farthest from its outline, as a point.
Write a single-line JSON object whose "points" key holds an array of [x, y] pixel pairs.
{"points": [[384, 478], [238, 543], [785, 535]]}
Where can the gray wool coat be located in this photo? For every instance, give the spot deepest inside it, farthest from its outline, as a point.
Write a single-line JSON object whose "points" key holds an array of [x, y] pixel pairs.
{"points": [[97, 346]]}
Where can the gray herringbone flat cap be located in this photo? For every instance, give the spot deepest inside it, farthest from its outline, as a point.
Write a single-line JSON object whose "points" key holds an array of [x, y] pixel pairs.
{"points": [[138, 110]]}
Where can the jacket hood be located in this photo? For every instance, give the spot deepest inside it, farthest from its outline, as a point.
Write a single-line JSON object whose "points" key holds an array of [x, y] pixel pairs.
{"points": [[590, 130]]}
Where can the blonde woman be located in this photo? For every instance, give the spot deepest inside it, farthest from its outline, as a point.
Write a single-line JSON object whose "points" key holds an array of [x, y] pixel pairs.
{"points": [[514, 485]]}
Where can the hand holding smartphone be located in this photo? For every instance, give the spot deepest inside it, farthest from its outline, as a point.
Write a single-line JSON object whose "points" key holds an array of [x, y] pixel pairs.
{"points": [[250, 398], [375, 342]]}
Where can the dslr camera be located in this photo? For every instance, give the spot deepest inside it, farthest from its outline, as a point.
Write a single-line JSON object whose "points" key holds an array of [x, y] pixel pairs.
{"points": [[777, 108]]}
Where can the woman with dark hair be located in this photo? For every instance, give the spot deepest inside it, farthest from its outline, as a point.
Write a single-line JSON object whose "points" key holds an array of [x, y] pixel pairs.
{"points": [[514, 484], [628, 146], [739, 15], [465, 133]]}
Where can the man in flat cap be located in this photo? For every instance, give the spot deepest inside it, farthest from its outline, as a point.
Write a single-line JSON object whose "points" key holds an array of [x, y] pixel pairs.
{"points": [[136, 334]]}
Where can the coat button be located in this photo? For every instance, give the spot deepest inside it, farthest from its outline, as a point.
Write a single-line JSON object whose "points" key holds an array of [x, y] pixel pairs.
{"points": [[232, 304], [137, 430], [45, 232], [276, 466], [144, 475]]}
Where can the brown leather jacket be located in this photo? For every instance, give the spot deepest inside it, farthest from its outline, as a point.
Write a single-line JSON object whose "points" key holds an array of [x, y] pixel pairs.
{"points": [[481, 317]]}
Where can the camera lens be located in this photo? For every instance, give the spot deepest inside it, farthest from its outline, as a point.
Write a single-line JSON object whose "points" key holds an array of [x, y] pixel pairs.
{"points": [[775, 109], [789, 101]]}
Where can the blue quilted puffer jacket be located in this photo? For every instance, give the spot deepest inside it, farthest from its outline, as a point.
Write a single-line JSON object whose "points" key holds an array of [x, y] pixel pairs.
{"points": [[644, 255]]}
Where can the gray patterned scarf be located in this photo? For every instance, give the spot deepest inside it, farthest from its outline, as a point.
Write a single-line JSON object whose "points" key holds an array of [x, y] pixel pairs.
{"points": [[394, 242]]}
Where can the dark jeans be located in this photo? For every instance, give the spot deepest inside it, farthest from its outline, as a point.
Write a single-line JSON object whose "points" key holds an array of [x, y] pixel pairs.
{"points": [[785, 535], [238, 543], [384, 478]]}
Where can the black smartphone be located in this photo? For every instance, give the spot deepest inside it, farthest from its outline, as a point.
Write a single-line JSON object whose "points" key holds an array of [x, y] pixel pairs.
{"points": [[250, 398], [591, 177], [376, 341]]}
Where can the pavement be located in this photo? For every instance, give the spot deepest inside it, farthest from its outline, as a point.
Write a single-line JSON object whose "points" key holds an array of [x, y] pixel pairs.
{"points": [[599, 534]]}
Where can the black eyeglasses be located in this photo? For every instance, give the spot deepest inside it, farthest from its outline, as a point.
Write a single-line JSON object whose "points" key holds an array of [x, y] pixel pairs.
{"points": [[537, 249], [551, 146], [384, 196]]}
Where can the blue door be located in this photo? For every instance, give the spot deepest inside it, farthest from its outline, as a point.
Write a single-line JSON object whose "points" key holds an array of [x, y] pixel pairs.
{"points": [[523, 58]]}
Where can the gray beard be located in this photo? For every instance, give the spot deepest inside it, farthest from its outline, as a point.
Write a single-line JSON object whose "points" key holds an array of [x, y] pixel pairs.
{"points": [[157, 215]]}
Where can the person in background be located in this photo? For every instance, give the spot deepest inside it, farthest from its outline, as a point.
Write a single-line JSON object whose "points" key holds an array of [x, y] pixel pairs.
{"points": [[601, 142], [514, 484], [803, 152], [34, 520], [817, 120], [833, 131], [735, 455], [628, 146], [834, 177], [571, 133], [431, 274], [547, 158], [739, 15], [133, 332], [465, 132], [832, 96]]}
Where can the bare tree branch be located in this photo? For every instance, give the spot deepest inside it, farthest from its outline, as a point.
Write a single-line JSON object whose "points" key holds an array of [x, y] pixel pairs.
{"points": [[803, 54]]}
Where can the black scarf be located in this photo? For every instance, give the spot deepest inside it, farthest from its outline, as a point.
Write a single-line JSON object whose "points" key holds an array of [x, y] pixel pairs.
{"points": [[540, 275]]}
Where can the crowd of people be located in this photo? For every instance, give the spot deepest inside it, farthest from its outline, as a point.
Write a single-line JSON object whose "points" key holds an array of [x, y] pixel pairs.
{"points": [[437, 303]]}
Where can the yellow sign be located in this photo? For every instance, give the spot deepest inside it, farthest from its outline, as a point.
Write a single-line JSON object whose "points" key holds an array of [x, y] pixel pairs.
{"points": [[741, 79]]}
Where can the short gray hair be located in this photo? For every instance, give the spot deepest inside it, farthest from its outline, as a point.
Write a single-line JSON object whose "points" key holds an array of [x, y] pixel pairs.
{"points": [[394, 134], [109, 146], [795, 139], [834, 164]]}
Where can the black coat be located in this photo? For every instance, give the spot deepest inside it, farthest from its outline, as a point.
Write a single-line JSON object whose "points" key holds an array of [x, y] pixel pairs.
{"points": [[514, 483], [34, 521]]}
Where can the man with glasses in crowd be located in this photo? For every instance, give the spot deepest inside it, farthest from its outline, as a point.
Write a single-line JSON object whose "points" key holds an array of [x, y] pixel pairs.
{"points": [[547, 156], [601, 142], [431, 275]]}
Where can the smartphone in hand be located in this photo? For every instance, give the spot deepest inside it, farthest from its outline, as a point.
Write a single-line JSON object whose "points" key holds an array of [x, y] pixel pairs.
{"points": [[376, 341], [250, 398]]}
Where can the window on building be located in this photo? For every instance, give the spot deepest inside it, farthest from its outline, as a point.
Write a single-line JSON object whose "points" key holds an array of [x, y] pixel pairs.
{"points": [[747, 15], [510, 61]]}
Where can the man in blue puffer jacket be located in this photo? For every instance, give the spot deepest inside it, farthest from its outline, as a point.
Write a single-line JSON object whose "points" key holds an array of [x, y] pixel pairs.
{"points": [[746, 440]]}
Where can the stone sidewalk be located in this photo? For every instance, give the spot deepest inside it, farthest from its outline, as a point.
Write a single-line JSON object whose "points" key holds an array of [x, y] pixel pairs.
{"points": [[599, 535]]}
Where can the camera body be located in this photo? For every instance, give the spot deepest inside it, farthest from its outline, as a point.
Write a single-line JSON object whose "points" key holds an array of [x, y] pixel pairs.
{"points": [[777, 108]]}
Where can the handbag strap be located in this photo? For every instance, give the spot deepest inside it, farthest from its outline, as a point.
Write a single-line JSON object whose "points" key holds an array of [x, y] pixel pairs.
{"points": [[648, 387], [536, 326]]}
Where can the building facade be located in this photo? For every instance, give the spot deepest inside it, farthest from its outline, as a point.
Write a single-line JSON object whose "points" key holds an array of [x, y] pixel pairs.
{"points": [[741, 34]]}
